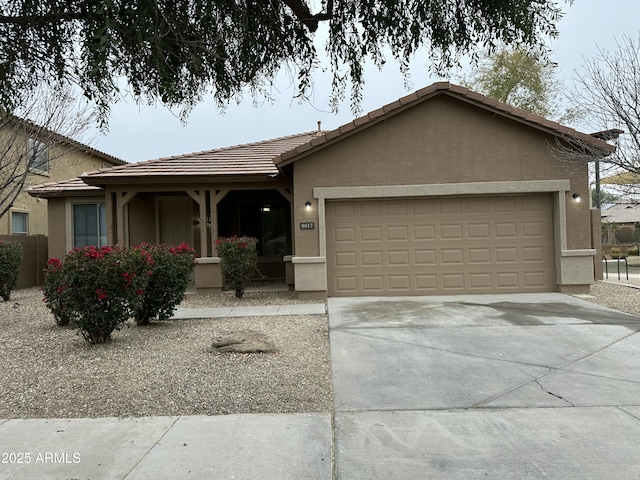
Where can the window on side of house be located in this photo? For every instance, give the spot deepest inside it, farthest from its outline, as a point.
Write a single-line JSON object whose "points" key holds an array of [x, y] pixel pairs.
{"points": [[19, 223], [38, 156], [89, 225]]}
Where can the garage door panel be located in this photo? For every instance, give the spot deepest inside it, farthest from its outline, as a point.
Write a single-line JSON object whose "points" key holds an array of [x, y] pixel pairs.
{"points": [[451, 232], [347, 259], [481, 245], [506, 255], [398, 233], [397, 209], [479, 231], [372, 283], [425, 257], [479, 255], [452, 256], [344, 234], [370, 234], [424, 232], [369, 209], [399, 257], [506, 230], [372, 259]]}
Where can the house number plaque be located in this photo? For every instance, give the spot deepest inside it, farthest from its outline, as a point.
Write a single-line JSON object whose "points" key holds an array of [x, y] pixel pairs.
{"points": [[307, 225]]}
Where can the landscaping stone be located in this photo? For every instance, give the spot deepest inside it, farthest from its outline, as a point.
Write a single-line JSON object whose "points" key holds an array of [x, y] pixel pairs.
{"points": [[245, 341]]}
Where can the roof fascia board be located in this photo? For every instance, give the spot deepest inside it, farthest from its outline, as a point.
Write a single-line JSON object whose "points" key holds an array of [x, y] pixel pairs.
{"points": [[176, 180]]}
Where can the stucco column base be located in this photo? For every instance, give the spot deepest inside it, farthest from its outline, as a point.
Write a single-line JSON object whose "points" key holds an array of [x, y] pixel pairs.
{"points": [[310, 275], [576, 271], [574, 289], [208, 276], [289, 273], [322, 295]]}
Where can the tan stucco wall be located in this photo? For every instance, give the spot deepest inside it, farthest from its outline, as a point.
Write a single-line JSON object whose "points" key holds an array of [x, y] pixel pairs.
{"points": [[64, 163], [57, 228], [441, 141]]}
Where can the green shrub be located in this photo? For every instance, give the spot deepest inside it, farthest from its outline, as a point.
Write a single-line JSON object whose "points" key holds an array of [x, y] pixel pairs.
{"points": [[99, 288], [616, 253], [633, 251], [170, 273], [238, 261], [10, 261]]}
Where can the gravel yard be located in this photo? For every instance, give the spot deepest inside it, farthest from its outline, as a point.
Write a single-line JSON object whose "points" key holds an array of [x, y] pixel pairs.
{"points": [[168, 368], [164, 369]]}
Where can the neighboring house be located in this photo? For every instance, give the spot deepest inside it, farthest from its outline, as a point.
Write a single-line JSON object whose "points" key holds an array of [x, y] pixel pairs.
{"points": [[444, 191], [620, 222], [54, 159]]}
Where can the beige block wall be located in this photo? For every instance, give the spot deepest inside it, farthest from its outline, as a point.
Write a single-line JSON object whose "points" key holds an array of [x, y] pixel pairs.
{"points": [[441, 141]]}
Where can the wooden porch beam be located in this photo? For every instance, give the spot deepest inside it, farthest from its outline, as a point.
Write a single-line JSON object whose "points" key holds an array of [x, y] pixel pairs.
{"points": [[202, 202], [286, 194], [193, 194]]}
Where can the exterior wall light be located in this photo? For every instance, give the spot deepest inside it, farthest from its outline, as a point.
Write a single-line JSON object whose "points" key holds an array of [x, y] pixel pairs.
{"points": [[308, 205], [576, 197]]}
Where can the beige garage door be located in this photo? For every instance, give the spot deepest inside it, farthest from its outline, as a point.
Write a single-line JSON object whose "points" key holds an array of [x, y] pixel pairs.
{"points": [[422, 246]]}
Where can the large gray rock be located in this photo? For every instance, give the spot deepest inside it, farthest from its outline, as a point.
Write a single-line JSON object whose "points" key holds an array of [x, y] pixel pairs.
{"points": [[245, 341]]}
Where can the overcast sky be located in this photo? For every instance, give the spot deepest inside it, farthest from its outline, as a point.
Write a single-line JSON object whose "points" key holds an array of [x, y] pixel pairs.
{"points": [[146, 132]]}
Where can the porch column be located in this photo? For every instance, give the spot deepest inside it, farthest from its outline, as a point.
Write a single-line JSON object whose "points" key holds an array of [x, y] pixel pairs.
{"points": [[111, 223], [215, 196], [122, 200], [203, 223], [200, 197]]}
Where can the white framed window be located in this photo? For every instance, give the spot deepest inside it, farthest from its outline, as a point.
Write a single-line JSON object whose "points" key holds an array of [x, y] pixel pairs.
{"points": [[89, 225], [19, 223], [38, 156]]}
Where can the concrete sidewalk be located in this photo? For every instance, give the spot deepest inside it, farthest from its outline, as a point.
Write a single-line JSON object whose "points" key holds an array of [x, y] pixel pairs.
{"points": [[264, 446], [256, 311]]}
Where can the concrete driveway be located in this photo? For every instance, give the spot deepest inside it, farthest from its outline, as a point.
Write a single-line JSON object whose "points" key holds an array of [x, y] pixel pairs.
{"points": [[491, 386]]}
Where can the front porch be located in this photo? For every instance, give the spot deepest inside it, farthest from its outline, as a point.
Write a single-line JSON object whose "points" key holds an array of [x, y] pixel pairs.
{"points": [[198, 216]]}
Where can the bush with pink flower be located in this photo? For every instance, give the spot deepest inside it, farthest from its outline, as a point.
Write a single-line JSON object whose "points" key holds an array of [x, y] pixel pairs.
{"points": [[168, 281], [97, 289]]}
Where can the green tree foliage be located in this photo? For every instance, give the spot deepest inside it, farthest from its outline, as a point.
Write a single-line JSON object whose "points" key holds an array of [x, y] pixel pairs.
{"points": [[523, 78], [176, 51]]}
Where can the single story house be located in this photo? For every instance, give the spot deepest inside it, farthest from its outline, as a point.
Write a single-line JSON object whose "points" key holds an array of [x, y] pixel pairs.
{"points": [[620, 222], [444, 191]]}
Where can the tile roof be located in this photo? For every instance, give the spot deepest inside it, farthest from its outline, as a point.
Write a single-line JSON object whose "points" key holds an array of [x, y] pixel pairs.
{"points": [[264, 158], [621, 213], [65, 188], [247, 159], [64, 140], [423, 94]]}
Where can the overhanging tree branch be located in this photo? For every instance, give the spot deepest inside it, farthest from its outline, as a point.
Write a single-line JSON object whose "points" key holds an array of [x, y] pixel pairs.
{"points": [[178, 51]]}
